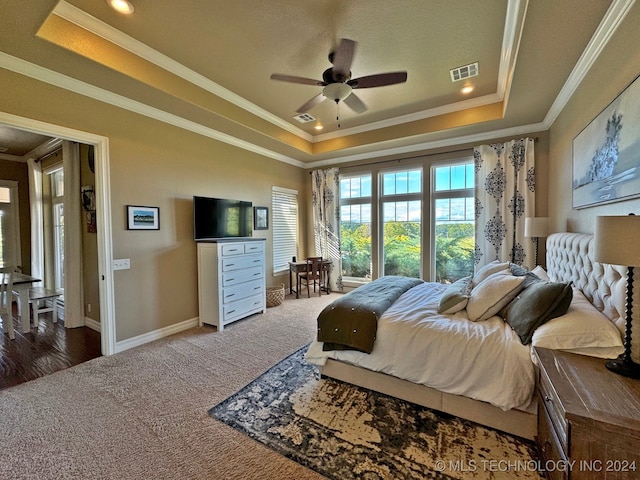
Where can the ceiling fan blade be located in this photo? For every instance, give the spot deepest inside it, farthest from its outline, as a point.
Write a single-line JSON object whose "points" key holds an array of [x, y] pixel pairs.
{"points": [[311, 103], [342, 58], [301, 80], [378, 80], [355, 104]]}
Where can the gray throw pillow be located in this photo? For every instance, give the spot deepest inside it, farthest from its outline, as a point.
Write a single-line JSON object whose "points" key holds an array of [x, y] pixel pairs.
{"points": [[536, 305], [456, 296]]}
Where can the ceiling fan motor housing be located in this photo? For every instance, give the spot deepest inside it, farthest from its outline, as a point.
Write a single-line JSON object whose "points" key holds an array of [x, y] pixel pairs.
{"points": [[329, 76]]}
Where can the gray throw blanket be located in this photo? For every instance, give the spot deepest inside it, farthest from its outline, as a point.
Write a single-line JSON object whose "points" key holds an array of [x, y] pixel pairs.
{"points": [[351, 321]]}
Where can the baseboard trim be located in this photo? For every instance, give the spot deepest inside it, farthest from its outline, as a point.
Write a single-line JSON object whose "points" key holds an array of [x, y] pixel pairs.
{"points": [[155, 335], [92, 324]]}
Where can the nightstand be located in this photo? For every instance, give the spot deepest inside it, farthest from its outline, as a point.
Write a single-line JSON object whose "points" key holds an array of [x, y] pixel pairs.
{"points": [[588, 418]]}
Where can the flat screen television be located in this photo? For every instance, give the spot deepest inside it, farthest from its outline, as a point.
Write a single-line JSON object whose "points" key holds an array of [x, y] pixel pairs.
{"points": [[221, 218]]}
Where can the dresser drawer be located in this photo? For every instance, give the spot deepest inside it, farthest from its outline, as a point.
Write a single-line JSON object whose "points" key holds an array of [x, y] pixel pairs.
{"points": [[241, 276], [232, 249], [254, 247], [243, 290], [554, 409], [549, 445], [235, 310], [240, 262]]}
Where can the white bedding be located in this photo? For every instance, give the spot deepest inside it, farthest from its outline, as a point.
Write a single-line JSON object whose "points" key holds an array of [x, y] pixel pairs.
{"points": [[482, 360]]}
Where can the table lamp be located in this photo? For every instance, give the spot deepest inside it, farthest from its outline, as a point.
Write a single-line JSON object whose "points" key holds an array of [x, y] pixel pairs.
{"points": [[536, 227], [616, 243]]}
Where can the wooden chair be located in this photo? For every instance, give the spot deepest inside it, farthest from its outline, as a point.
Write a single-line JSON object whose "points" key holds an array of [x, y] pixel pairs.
{"points": [[38, 298], [6, 300], [312, 274]]}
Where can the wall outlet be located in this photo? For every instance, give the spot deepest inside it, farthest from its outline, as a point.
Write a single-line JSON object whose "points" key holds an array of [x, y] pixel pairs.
{"points": [[88, 308], [122, 264]]}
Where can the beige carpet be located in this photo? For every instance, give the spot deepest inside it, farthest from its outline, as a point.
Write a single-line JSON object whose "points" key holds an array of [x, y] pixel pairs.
{"points": [[142, 414]]}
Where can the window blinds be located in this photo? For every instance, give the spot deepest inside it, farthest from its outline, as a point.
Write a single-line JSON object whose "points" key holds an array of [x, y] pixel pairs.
{"points": [[284, 208]]}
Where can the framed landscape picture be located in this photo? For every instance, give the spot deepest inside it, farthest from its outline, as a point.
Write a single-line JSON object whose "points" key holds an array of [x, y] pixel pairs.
{"points": [[143, 218], [606, 154]]}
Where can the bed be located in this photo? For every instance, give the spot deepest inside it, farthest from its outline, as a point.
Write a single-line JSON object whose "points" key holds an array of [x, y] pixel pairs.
{"points": [[482, 370]]}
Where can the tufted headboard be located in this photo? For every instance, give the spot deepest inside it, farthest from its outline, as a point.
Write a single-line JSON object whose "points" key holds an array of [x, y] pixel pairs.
{"points": [[569, 259]]}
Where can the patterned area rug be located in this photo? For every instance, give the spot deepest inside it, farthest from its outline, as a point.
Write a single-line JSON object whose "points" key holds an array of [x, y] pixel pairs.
{"points": [[346, 432]]}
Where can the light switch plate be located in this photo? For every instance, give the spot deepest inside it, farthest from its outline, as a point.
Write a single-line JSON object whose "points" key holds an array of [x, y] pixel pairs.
{"points": [[122, 264]]}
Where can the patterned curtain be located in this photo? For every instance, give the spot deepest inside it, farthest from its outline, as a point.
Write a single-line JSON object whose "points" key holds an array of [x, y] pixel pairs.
{"points": [[505, 195], [326, 221]]}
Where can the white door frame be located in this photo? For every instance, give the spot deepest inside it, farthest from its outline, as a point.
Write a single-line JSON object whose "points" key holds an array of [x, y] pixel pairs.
{"points": [[103, 214]]}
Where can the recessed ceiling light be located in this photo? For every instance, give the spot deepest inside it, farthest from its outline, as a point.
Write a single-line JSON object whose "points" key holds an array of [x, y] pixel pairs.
{"points": [[466, 90], [318, 127], [121, 6]]}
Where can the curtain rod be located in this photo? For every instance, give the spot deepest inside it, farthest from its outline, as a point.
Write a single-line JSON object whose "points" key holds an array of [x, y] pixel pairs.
{"points": [[535, 139]]}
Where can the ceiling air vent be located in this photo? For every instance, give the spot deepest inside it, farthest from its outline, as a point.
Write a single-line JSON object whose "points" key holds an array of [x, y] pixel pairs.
{"points": [[463, 72], [304, 118]]}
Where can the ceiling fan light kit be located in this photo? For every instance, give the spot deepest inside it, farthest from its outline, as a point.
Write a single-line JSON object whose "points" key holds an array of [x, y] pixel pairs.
{"points": [[336, 91], [337, 82]]}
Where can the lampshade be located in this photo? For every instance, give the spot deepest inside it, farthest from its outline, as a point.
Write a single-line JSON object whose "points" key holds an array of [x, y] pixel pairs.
{"points": [[536, 226], [617, 240]]}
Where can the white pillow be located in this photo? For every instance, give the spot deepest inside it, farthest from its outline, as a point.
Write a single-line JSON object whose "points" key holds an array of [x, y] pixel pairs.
{"points": [[583, 329], [493, 294], [489, 269], [541, 273]]}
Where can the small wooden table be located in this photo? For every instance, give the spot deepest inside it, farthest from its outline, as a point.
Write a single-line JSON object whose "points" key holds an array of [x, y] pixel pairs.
{"points": [[300, 267]]}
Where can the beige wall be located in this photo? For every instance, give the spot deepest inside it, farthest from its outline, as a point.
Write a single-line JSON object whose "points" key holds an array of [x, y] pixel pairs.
{"points": [[155, 164], [617, 66]]}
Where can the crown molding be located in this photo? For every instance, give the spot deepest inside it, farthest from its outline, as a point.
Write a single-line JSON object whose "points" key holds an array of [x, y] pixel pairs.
{"points": [[616, 13], [43, 74], [425, 146], [88, 22], [412, 117], [613, 18], [510, 42]]}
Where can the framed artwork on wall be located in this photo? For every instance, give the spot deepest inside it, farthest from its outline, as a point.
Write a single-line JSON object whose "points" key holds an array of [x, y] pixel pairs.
{"points": [[606, 153], [260, 218], [143, 218]]}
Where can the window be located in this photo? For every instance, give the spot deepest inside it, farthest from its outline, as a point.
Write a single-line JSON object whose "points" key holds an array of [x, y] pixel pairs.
{"points": [[355, 226], [401, 199], [402, 220], [57, 204], [454, 220], [284, 209], [9, 231]]}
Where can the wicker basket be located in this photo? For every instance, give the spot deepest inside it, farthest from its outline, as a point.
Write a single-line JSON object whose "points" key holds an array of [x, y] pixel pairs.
{"points": [[275, 295]]}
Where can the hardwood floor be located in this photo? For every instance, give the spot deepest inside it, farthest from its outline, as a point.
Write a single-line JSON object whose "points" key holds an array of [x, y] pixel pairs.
{"points": [[44, 350]]}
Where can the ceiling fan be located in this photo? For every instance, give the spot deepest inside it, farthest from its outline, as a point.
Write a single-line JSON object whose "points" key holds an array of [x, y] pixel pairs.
{"points": [[337, 82]]}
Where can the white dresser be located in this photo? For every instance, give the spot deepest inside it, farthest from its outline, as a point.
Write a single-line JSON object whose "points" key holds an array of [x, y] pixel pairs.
{"points": [[231, 280]]}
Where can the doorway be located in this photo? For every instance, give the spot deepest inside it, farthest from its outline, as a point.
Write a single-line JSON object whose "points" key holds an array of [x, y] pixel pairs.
{"points": [[103, 214]]}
